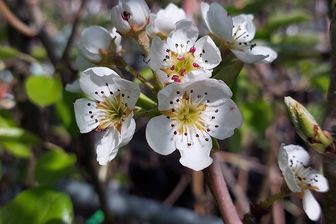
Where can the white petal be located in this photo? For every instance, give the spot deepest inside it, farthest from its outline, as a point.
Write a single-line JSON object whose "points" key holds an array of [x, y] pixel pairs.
{"points": [[183, 37], [248, 57], [207, 53], [160, 136], [117, 40], [247, 29], [139, 13], [269, 52], [117, 21], [162, 77], [211, 91], [222, 120], [93, 82], [311, 206], [198, 74], [130, 91], [217, 20], [164, 21], [318, 181], [291, 180], [85, 113], [127, 131], [196, 155], [107, 145], [297, 154], [73, 87], [158, 53], [92, 39]]}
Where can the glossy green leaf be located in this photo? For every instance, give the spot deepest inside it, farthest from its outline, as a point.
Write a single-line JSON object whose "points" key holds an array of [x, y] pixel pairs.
{"points": [[44, 90], [39, 206], [53, 165]]}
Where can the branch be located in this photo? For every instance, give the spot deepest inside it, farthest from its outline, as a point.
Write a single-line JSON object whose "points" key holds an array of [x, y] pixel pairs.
{"points": [[74, 30], [14, 21], [329, 165], [216, 182]]}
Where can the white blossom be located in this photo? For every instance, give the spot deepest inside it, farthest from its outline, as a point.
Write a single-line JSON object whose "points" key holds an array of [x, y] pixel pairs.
{"points": [[164, 21], [130, 16], [96, 42], [109, 110], [193, 113], [181, 58], [236, 34], [293, 162]]}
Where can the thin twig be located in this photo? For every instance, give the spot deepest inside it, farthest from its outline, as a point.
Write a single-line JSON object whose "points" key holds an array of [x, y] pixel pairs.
{"points": [[216, 182], [178, 190], [74, 29], [15, 22]]}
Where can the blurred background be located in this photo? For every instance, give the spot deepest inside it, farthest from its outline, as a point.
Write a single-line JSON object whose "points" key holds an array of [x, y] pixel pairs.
{"points": [[48, 170]]}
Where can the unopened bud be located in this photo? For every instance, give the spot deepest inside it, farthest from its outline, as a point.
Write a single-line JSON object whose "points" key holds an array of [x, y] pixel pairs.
{"points": [[307, 127]]}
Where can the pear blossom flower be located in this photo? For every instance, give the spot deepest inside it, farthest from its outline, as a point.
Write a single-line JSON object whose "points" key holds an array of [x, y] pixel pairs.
{"points": [[193, 113], [293, 161], [95, 43], [236, 33], [109, 110], [181, 58], [130, 16], [163, 22]]}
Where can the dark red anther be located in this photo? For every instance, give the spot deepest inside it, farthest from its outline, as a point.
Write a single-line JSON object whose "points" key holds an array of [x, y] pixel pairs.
{"points": [[192, 50], [196, 65], [175, 78], [172, 67], [125, 15]]}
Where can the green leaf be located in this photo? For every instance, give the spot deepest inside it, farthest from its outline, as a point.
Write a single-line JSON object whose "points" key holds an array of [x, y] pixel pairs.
{"points": [[228, 71], [17, 134], [17, 149], [39, 206], [44, 90], [53, 165]]}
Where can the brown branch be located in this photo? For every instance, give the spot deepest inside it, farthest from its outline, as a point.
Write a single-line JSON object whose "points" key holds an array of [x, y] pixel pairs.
{"points": [[74, 30], [329, 165], [216, 183], [178, 190], [14, 21]]}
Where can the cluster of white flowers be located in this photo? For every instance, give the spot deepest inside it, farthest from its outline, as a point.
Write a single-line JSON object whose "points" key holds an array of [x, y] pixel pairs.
{"points": [[195, 108]]}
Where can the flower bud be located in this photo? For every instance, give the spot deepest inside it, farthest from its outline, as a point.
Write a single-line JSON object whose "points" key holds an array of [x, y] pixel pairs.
{"points": [[130, 16], [307, 127]]}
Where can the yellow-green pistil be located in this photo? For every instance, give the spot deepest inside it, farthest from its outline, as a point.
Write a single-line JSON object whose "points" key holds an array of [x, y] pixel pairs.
{"points": [[187, 115], [181, 65], [114, 113]]}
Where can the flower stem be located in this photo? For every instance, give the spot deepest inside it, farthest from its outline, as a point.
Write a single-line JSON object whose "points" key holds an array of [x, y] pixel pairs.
{"points": [[145, 102], [268, 202], [146, 113]]}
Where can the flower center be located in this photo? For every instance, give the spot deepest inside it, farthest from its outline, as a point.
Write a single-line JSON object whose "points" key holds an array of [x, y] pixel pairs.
{"points": [[113, 113], [302, 180], [187, 114], [181, 65], [125, 15]]}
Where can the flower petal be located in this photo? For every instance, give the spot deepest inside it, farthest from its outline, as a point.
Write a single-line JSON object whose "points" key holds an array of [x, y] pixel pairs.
{"points": [[196, 155], [248, 57], [85, 114], [83, 63], [207, 53], [198, 74], [157, 55], [92, 39], [311, 206], [297, 154], [161, 25], [183, 37], [107, 145], [270, 54], [139, 13], [73, 87], [247, 30], [159, 135], [127, 131], [217, 19], [222, 120], [210, 91], [117, 21], [93, 82], [128, 90], [318, 181]]}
